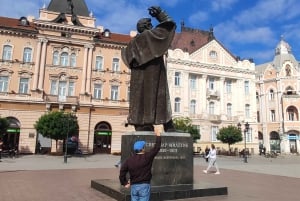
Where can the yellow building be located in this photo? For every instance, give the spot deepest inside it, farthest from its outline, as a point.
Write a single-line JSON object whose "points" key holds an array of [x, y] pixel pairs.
{"points": [[61, 61]]}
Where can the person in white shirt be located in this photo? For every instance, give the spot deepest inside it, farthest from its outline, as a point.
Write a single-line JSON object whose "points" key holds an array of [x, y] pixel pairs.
{"points": [[212, 160]]}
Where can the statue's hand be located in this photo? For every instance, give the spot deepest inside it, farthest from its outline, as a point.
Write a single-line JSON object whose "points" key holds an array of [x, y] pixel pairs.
{"points": [[154, 11]]}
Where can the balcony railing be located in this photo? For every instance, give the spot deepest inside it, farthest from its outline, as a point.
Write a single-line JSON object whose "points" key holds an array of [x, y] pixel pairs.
{"points": [[61, 99]]}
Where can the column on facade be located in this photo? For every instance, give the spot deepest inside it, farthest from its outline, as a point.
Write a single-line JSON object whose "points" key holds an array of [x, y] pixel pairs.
{"points": [[239, 103], [42, 65], [89, 69], [37, 64], [222, 95], [84, 68]]}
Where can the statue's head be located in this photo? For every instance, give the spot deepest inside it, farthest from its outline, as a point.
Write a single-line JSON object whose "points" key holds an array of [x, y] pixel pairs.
{"points": [[144, 24]]}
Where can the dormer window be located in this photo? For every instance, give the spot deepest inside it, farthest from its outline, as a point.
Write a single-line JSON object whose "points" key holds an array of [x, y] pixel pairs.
{"points": [[106, 33], [24, 21]]}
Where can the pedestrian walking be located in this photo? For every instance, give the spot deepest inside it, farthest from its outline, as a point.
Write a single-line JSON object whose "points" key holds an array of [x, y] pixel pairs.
{"points": [[212, 160], [139, 168]]}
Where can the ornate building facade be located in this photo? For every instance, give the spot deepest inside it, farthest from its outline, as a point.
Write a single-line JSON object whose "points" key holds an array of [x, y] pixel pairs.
{"points": [[62, 61], [212, 87], [278, 101]]}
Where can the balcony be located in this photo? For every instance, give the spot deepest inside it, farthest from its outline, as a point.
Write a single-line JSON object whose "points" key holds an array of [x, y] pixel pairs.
{"points": [[212, 94], [61, 99], [214, 118]]}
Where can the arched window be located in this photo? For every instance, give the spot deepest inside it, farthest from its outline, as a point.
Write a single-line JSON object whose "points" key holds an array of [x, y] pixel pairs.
{"points": [[193, 107], [211, 108], [292, 114], [271, 94], [229, 109], [27, 55], [177, 105], [64, 59], [7, 52]]}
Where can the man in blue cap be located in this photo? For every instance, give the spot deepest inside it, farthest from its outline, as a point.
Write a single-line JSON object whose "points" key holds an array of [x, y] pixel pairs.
{"points": [[139, 167]]}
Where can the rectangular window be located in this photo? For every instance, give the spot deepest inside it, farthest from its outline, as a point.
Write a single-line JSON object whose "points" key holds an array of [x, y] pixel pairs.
{"points": [[228, 86], [97, 91], [99, 63], [23, 87], [214, 132], [211, 84], [114, 93], [246, 87], [7, 52], [27, 55], [53, 90], [177, 78], [249, 135], [247, 111], [71, 89], [193, 80], [3, 83], [115, 65], [62, 90], [272, 115], [73, 60]]}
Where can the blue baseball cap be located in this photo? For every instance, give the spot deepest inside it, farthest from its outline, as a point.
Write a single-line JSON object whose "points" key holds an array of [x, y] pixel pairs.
{"points": [[139, 145]]}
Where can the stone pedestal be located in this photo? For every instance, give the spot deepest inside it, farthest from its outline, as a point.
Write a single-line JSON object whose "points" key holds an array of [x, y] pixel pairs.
{"points": [[172, 169], [174, 163]]}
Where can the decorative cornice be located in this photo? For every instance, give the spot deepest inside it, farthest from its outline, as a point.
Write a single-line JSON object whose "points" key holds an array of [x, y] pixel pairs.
{"points": [[209, 66], [41, 24]]}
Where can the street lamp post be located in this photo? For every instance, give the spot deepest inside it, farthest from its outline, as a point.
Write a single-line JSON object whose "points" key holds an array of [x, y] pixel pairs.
{"points": [[66, 143], [245, 139]]}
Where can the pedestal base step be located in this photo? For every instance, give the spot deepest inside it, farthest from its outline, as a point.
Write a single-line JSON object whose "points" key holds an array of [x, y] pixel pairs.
{"points": [[113, 189]]}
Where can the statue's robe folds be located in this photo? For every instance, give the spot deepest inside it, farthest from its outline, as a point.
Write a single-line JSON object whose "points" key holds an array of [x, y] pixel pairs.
{"points": [[149, 102]]}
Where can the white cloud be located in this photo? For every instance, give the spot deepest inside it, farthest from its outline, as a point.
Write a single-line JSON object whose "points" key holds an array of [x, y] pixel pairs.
{"points": [[269, 10], [198, 17], [222, 4]]}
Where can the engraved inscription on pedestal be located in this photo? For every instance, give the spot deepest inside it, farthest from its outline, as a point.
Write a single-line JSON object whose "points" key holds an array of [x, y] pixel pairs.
{"points": [[174, 163]]}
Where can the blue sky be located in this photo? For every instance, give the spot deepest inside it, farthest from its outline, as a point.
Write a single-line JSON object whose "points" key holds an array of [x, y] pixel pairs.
{"points": [[247, 28]]}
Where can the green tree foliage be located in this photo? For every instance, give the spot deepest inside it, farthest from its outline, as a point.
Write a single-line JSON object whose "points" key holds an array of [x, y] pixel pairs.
{"points": [[4, 124], [57, 125], [185, 124], [230, 135]]}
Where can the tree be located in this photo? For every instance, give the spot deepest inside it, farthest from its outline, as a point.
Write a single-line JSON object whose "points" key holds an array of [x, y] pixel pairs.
{"points": [[230, 135], [57, 125], [4, 124], [185, 124]]}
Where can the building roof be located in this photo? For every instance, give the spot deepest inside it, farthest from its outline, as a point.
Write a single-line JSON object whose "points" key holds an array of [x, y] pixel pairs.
{"points": [[190, 40], [116, 38], [64, 6], [15, 24]]}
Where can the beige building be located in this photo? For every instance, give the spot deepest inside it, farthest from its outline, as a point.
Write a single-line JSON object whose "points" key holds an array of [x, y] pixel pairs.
{"points": [[212, 87], [61, 61], [278, 101]]}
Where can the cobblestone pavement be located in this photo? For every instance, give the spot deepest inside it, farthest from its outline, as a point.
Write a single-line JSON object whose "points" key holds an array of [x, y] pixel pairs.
{"points": [[48, 178]]}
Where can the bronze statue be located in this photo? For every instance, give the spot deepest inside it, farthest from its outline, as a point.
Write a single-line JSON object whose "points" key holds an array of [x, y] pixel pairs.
{"points": [[149, 102]]}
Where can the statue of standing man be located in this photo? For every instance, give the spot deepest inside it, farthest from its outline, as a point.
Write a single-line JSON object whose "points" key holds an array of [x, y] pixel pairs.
{"points": [[149, 102]]}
